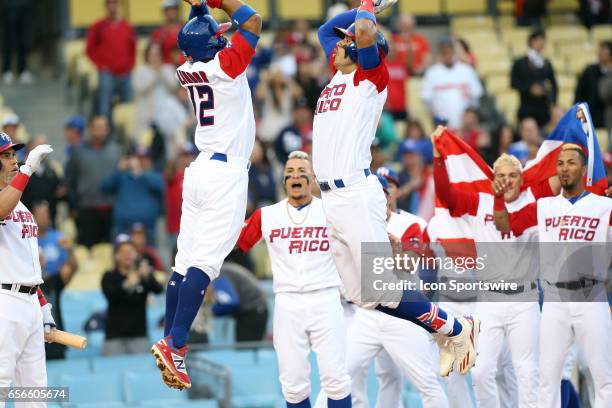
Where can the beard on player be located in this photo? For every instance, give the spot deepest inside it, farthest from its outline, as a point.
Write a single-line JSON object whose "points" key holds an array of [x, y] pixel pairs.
{"points": [[571, 168]]}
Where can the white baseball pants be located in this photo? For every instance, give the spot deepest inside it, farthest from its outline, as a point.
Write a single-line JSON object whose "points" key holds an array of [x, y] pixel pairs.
{"points": [[356, 214], [213, 211], [517, 325], [589, 324], [310, 321], [22, 344]]}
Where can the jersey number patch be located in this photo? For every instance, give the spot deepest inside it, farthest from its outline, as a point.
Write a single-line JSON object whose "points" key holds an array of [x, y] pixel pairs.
{"points": [[205, 100]]}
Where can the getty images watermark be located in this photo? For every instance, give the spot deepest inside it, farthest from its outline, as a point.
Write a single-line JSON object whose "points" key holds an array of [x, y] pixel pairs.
{"points": [[468, 271]]}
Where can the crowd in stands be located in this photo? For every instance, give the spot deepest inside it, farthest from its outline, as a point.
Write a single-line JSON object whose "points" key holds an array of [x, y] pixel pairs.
{"points": [[119, 183]]}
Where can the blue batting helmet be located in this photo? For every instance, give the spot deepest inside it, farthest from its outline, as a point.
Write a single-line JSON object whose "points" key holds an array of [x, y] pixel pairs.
{"points": [[201, 37], [351, 49]]}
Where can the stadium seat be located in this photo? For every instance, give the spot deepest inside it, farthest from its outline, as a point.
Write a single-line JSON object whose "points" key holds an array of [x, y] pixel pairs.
{"points": [[421, 8], [466, 6], [223, 331], [412, 400], [497, 84], [103, 255], [231, 358], [472, 23], [57, 368], [93, 388], [507, 103], [101, 404], [566, 83], [148, 386], [601, 32], [123, 116], [83, 13], [603, 136], [562, 5], [198, 403], [567, 34], [292, 10], [565, 99], [498, 66], [143, 12], [514, 35], [118, 364], [577, 64]]}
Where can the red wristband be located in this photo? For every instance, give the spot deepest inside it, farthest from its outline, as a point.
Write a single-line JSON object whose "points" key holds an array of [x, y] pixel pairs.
{"points": [[20, 181], [41, 298], [499, 204], [214, 3], [367, 5]]}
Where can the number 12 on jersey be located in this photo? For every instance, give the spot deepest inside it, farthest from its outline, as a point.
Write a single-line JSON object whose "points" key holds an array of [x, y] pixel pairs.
{"points": [[202, 99]]}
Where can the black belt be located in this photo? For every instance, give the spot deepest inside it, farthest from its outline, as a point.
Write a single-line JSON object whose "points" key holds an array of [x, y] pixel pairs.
{"points": [[575, 285], [30, 290], [519, 289], [339, 183]]}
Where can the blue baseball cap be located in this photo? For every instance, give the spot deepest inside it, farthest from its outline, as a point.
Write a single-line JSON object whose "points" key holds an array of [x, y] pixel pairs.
{"points": [[122, 239], [384, 183], [389, 174], [6, 143], [75, 122], [408, 146]]}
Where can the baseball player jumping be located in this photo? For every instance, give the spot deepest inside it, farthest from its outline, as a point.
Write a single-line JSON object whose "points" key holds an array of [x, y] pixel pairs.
{"points": [[511, 316], [345, 122], [24, 317], [574, 216], [215, 184], [308, 314]]}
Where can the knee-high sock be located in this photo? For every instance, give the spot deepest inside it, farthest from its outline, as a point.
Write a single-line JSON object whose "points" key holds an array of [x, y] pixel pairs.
{"points": [[302, 404], [343, 403], [191, 295], [415, 307], [172, 296], [569, 396]]}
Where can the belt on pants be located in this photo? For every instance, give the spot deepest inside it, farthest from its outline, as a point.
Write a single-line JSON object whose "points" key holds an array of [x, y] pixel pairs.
{"points": [[574, 285], [16, 287], [340, 183], [519, 289], [222, 157]]}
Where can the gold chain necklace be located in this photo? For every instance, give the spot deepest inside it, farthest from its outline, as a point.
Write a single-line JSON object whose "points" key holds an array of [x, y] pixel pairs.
{"points": [[305, 215]]}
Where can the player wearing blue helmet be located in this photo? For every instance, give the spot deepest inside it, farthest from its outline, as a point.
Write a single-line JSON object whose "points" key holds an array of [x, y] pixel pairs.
{"points": [[216, 183]]}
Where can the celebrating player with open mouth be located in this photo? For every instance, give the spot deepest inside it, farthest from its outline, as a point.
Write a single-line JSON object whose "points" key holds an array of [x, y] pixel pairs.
{"points": [[215, 184], [345, 122]]}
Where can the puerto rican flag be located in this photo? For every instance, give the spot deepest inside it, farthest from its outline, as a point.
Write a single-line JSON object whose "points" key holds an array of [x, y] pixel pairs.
{"points": [[469, 172], [570, 130]]}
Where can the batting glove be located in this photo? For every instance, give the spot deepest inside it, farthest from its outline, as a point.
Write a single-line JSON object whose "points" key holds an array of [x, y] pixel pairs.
{"points": [[48, 321], [381, 5], [34, 159]]}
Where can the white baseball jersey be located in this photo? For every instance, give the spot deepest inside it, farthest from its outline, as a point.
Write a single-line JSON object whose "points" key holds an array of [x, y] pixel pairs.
{"points": [[298, 245], [221, 100], [19, 248], [558, 220], [346, 117]]}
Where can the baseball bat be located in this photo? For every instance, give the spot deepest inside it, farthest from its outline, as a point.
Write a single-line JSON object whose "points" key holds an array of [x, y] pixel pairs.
{"points": [[67, 339]]}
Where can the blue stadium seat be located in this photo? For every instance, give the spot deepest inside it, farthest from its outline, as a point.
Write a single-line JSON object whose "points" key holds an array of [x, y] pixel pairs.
{"points": [[231, 358], [102, 404], [198, 403], [255, 387], [148, 387], [92, 388], [56, 368], [223, 331], [412, 400], [95, 341], [118, 364]]}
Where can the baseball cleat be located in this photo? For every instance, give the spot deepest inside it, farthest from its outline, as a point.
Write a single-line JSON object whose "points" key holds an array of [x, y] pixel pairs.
{"points": [[171, 363], [464, 345], [446, 356]]}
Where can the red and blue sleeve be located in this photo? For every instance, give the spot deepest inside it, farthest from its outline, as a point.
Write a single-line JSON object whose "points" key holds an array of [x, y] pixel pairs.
{"points": [[234, 60], [327, 37], [251, 231]]}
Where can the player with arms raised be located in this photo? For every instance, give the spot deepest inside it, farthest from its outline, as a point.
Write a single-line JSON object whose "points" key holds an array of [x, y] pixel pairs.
{"points": [[24, 317], [345, 122], [215, 184], [580, 223]]}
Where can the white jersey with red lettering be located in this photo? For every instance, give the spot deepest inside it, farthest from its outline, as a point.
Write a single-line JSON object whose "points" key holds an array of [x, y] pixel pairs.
{"points": [[298, 245], [345, 122], [19, 248], [221, 100]]}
